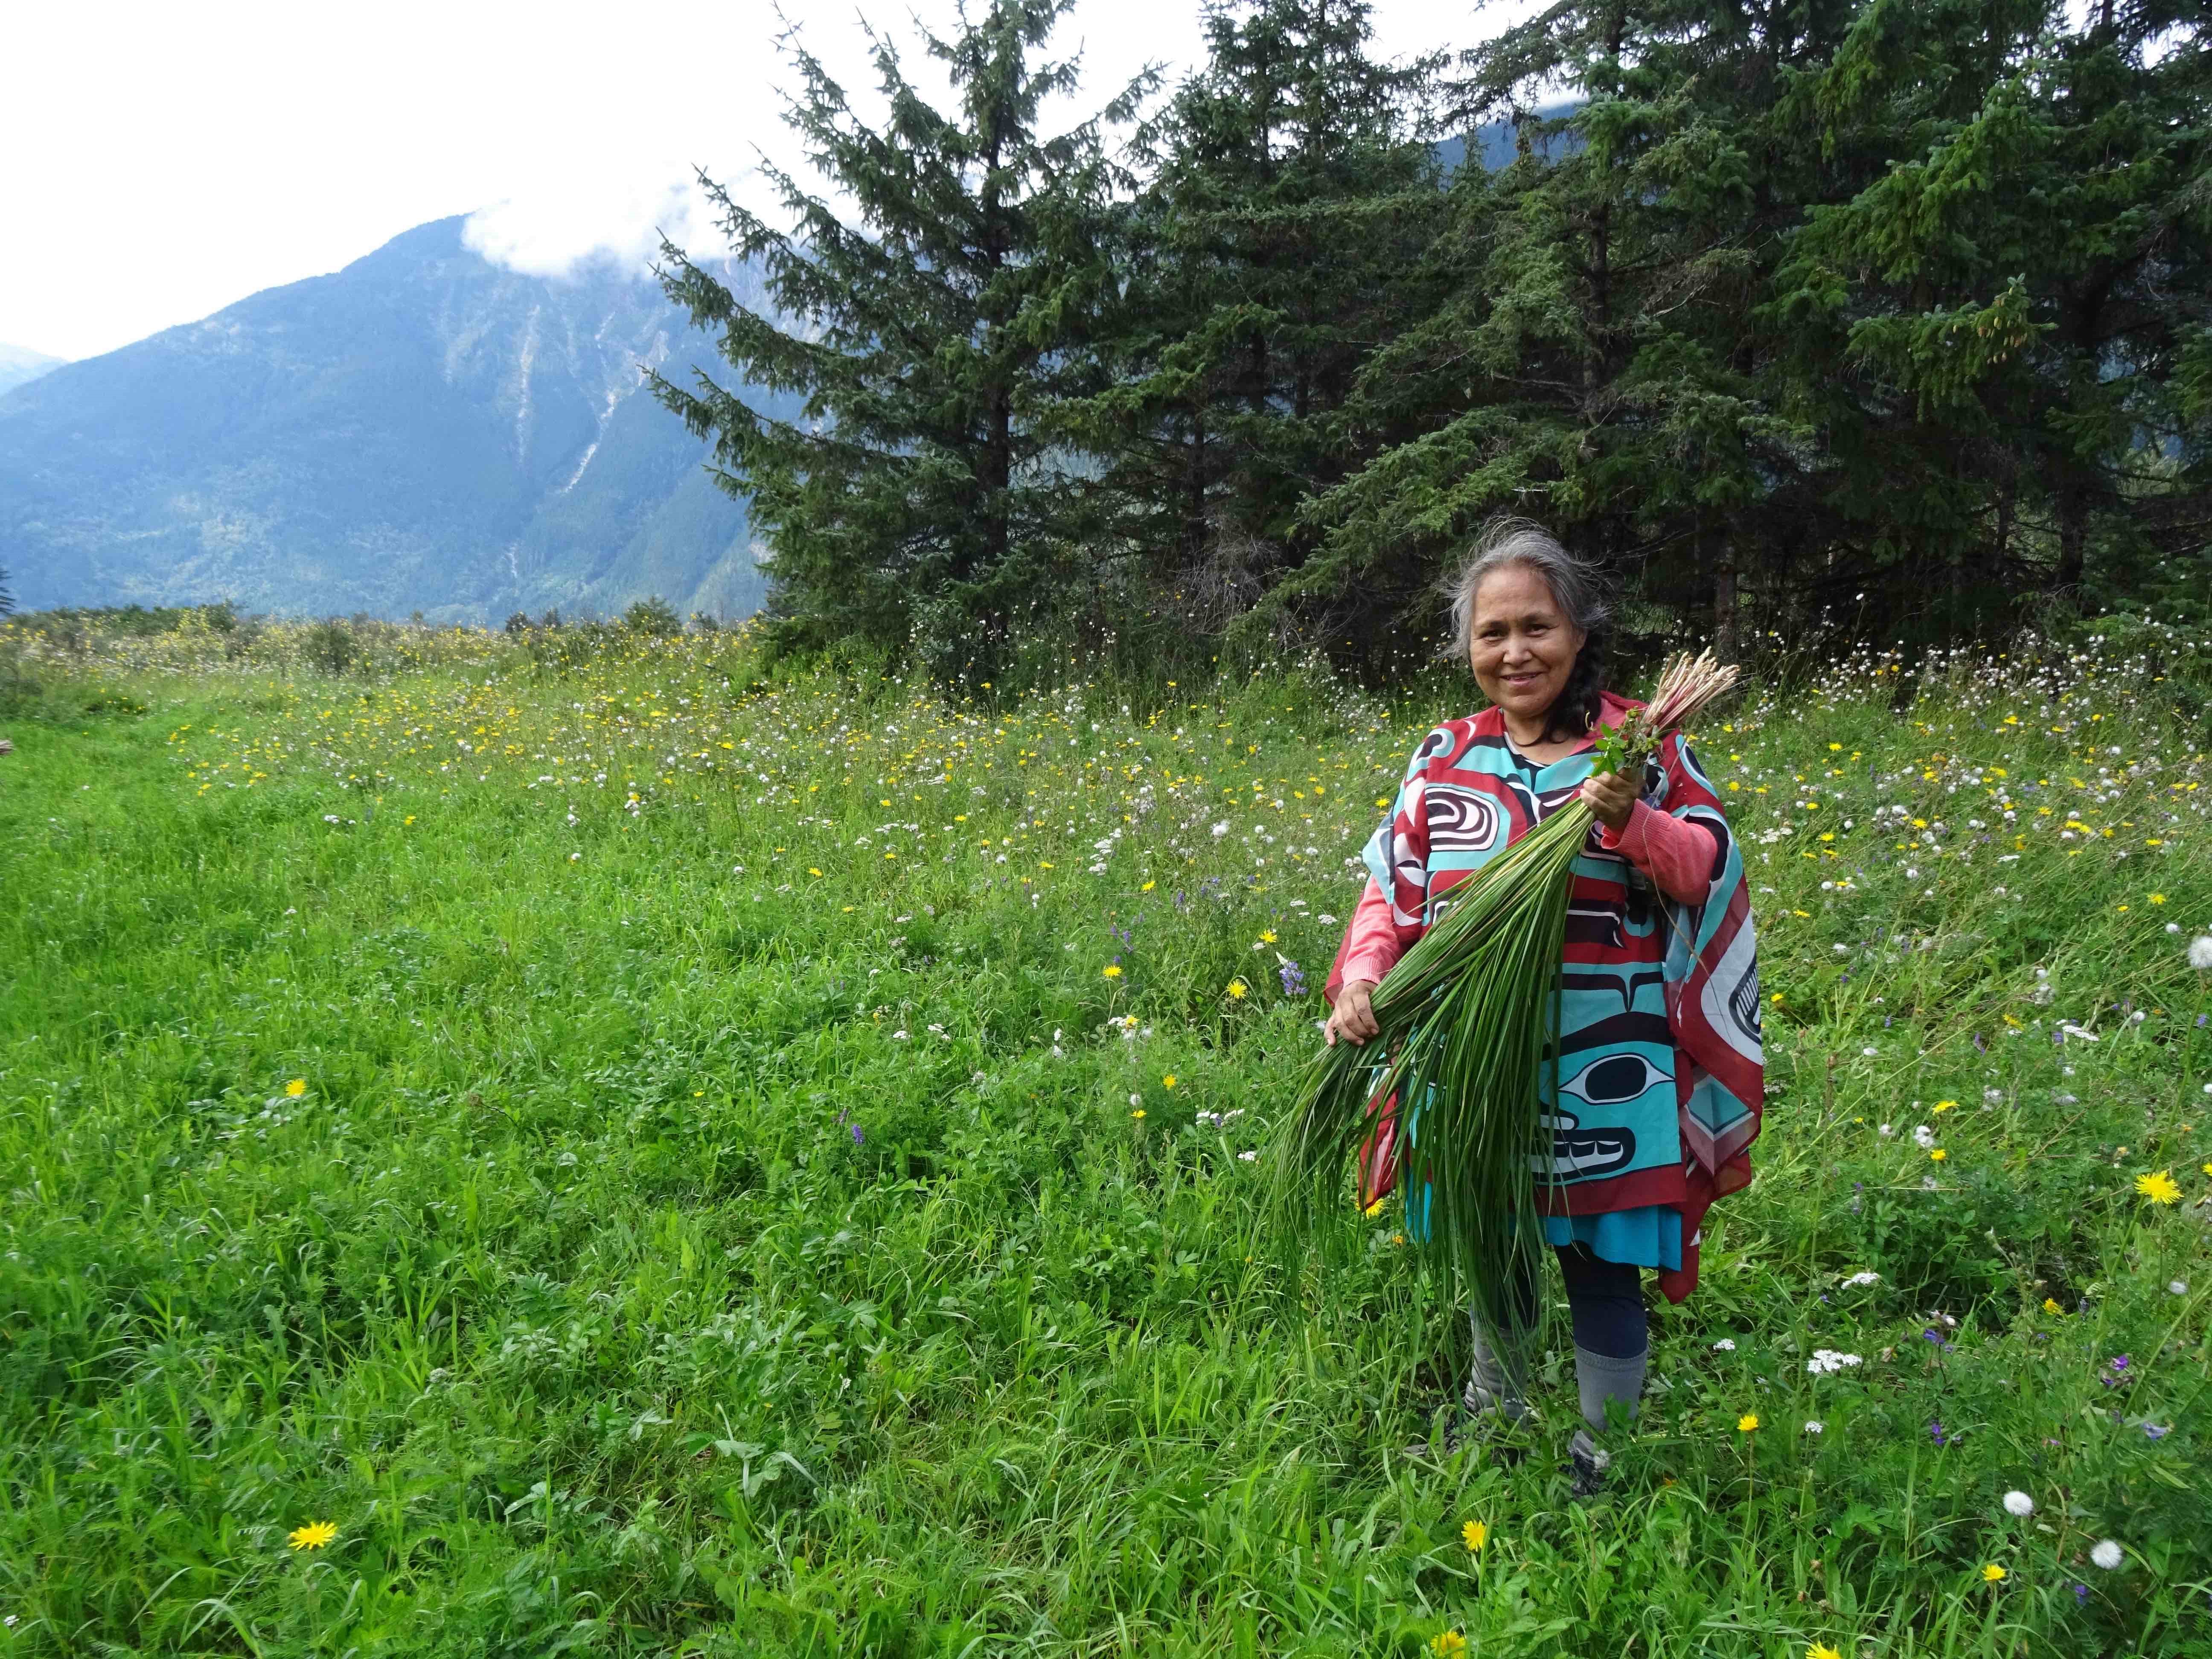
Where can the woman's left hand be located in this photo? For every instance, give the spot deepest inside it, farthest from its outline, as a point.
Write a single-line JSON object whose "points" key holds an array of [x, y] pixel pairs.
{"points": [[1613, 798]]}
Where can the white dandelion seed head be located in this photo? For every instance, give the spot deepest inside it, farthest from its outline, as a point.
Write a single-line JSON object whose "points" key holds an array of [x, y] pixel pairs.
{"points": [[2177, 1287], [2020, 1504], [2200, 953], [2107, 1553], [1923, 1136], [1887, 1130]]}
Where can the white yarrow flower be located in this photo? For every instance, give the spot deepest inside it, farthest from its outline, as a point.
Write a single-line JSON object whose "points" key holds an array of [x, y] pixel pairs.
{"points": [[1726, 1344], [1814, 1425], [2107, 1553], [1858, 1280], [2019, 1503], [2177, 1287]]}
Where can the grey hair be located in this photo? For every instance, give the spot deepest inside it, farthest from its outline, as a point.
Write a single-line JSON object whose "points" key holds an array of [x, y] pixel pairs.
{"points": [[1575, 584]]}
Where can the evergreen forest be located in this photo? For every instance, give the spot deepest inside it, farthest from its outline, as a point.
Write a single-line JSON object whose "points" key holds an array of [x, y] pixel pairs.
{"points": [[1882, 319]]}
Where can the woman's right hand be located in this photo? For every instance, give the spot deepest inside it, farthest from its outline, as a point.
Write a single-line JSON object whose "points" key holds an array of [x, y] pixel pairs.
{"points": [[1352, 1018]]}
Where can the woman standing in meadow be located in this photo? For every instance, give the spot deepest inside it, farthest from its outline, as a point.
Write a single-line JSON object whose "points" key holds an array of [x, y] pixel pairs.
{"points": [[1660, 1080]]}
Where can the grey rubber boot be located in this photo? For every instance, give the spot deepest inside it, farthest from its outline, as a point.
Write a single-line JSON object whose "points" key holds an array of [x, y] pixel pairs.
{"points": [[1497, 1383], [1602, 1380]]}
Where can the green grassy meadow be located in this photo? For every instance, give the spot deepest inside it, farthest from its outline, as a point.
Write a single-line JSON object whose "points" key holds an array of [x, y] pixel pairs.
{"points": [[667, 1160]]}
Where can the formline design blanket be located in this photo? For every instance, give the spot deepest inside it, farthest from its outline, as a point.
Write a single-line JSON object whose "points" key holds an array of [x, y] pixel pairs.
{"points": [[1659, 1083]]}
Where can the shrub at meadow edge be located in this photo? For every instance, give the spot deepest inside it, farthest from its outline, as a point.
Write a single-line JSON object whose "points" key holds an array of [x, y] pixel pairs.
{"points": [[615, 1152]]}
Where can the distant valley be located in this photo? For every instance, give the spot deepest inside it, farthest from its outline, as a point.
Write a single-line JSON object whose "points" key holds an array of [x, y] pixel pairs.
{"points": [[422, 430]]}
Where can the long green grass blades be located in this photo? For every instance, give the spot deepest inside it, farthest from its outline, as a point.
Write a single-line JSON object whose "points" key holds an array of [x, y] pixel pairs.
{"points": [[1466, 1022], [1469, 1020]]}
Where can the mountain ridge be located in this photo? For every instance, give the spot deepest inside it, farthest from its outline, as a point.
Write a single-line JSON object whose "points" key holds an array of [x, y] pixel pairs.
{"points": [[19, 365], [421, 430]]}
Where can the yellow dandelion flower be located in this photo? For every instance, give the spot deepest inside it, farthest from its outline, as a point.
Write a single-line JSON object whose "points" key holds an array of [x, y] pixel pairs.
{"points": [[2050, 1305], [1139, 1112], [1992, 1573], [296, 1087], [1238, 990], [1267, 936], [1946, 1105], [2158, 1186], [312, 1536], [1821, 1650], [1447, 1644], [1474, 1536], [1747, 1423], [1939, 1154], [1112, 971], [1169, 1081]]}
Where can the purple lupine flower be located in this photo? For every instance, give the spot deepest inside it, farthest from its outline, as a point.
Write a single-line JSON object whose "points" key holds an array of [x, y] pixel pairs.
{"points": [[2118, 1362], [2156, 1433], [859, 1139], [1936, 1434], [1294, 979], [2080, 1594]]}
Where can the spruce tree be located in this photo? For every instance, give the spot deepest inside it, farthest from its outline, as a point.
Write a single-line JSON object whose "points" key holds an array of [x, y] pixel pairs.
{"points": [[1591, 361], [918, 502], [1995, 333], [1289, 190]]}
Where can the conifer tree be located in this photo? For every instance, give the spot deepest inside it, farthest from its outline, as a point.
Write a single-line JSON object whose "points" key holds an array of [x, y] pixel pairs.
{"points": [[917, 501], [1590, 361], [1289, 191], [1995, 333]]}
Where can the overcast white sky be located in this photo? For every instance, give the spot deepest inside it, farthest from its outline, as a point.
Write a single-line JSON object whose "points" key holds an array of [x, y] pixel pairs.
{"points": [[165, 160]]}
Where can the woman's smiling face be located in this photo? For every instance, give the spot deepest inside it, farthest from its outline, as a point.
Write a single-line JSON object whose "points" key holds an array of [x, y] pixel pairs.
{"points": [[1524, 647]]}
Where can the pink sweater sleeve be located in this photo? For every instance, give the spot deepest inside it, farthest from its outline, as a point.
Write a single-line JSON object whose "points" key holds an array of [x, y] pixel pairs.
{"points": [[1673, 852], [1370, 944]]}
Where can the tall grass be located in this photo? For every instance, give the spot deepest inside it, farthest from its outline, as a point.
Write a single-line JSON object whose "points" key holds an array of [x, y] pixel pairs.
{"points": [[670, 1249]]}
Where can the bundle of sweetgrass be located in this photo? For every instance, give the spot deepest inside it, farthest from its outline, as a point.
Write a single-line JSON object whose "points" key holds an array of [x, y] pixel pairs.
{"points": [[1469, 1020]]}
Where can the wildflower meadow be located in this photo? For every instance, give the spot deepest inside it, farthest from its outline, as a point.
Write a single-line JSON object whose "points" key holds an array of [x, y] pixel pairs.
{"points": [[611, 1144]]}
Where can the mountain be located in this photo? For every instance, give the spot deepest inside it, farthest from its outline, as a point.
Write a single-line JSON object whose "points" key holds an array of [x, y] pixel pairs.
{"points": [[423, 430], [19, 364]]}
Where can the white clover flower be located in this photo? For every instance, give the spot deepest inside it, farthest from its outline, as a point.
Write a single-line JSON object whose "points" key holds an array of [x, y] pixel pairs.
{"points": [[2107, 1553], [1726, 1344], [2019, 1503], [2200, 953]]}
